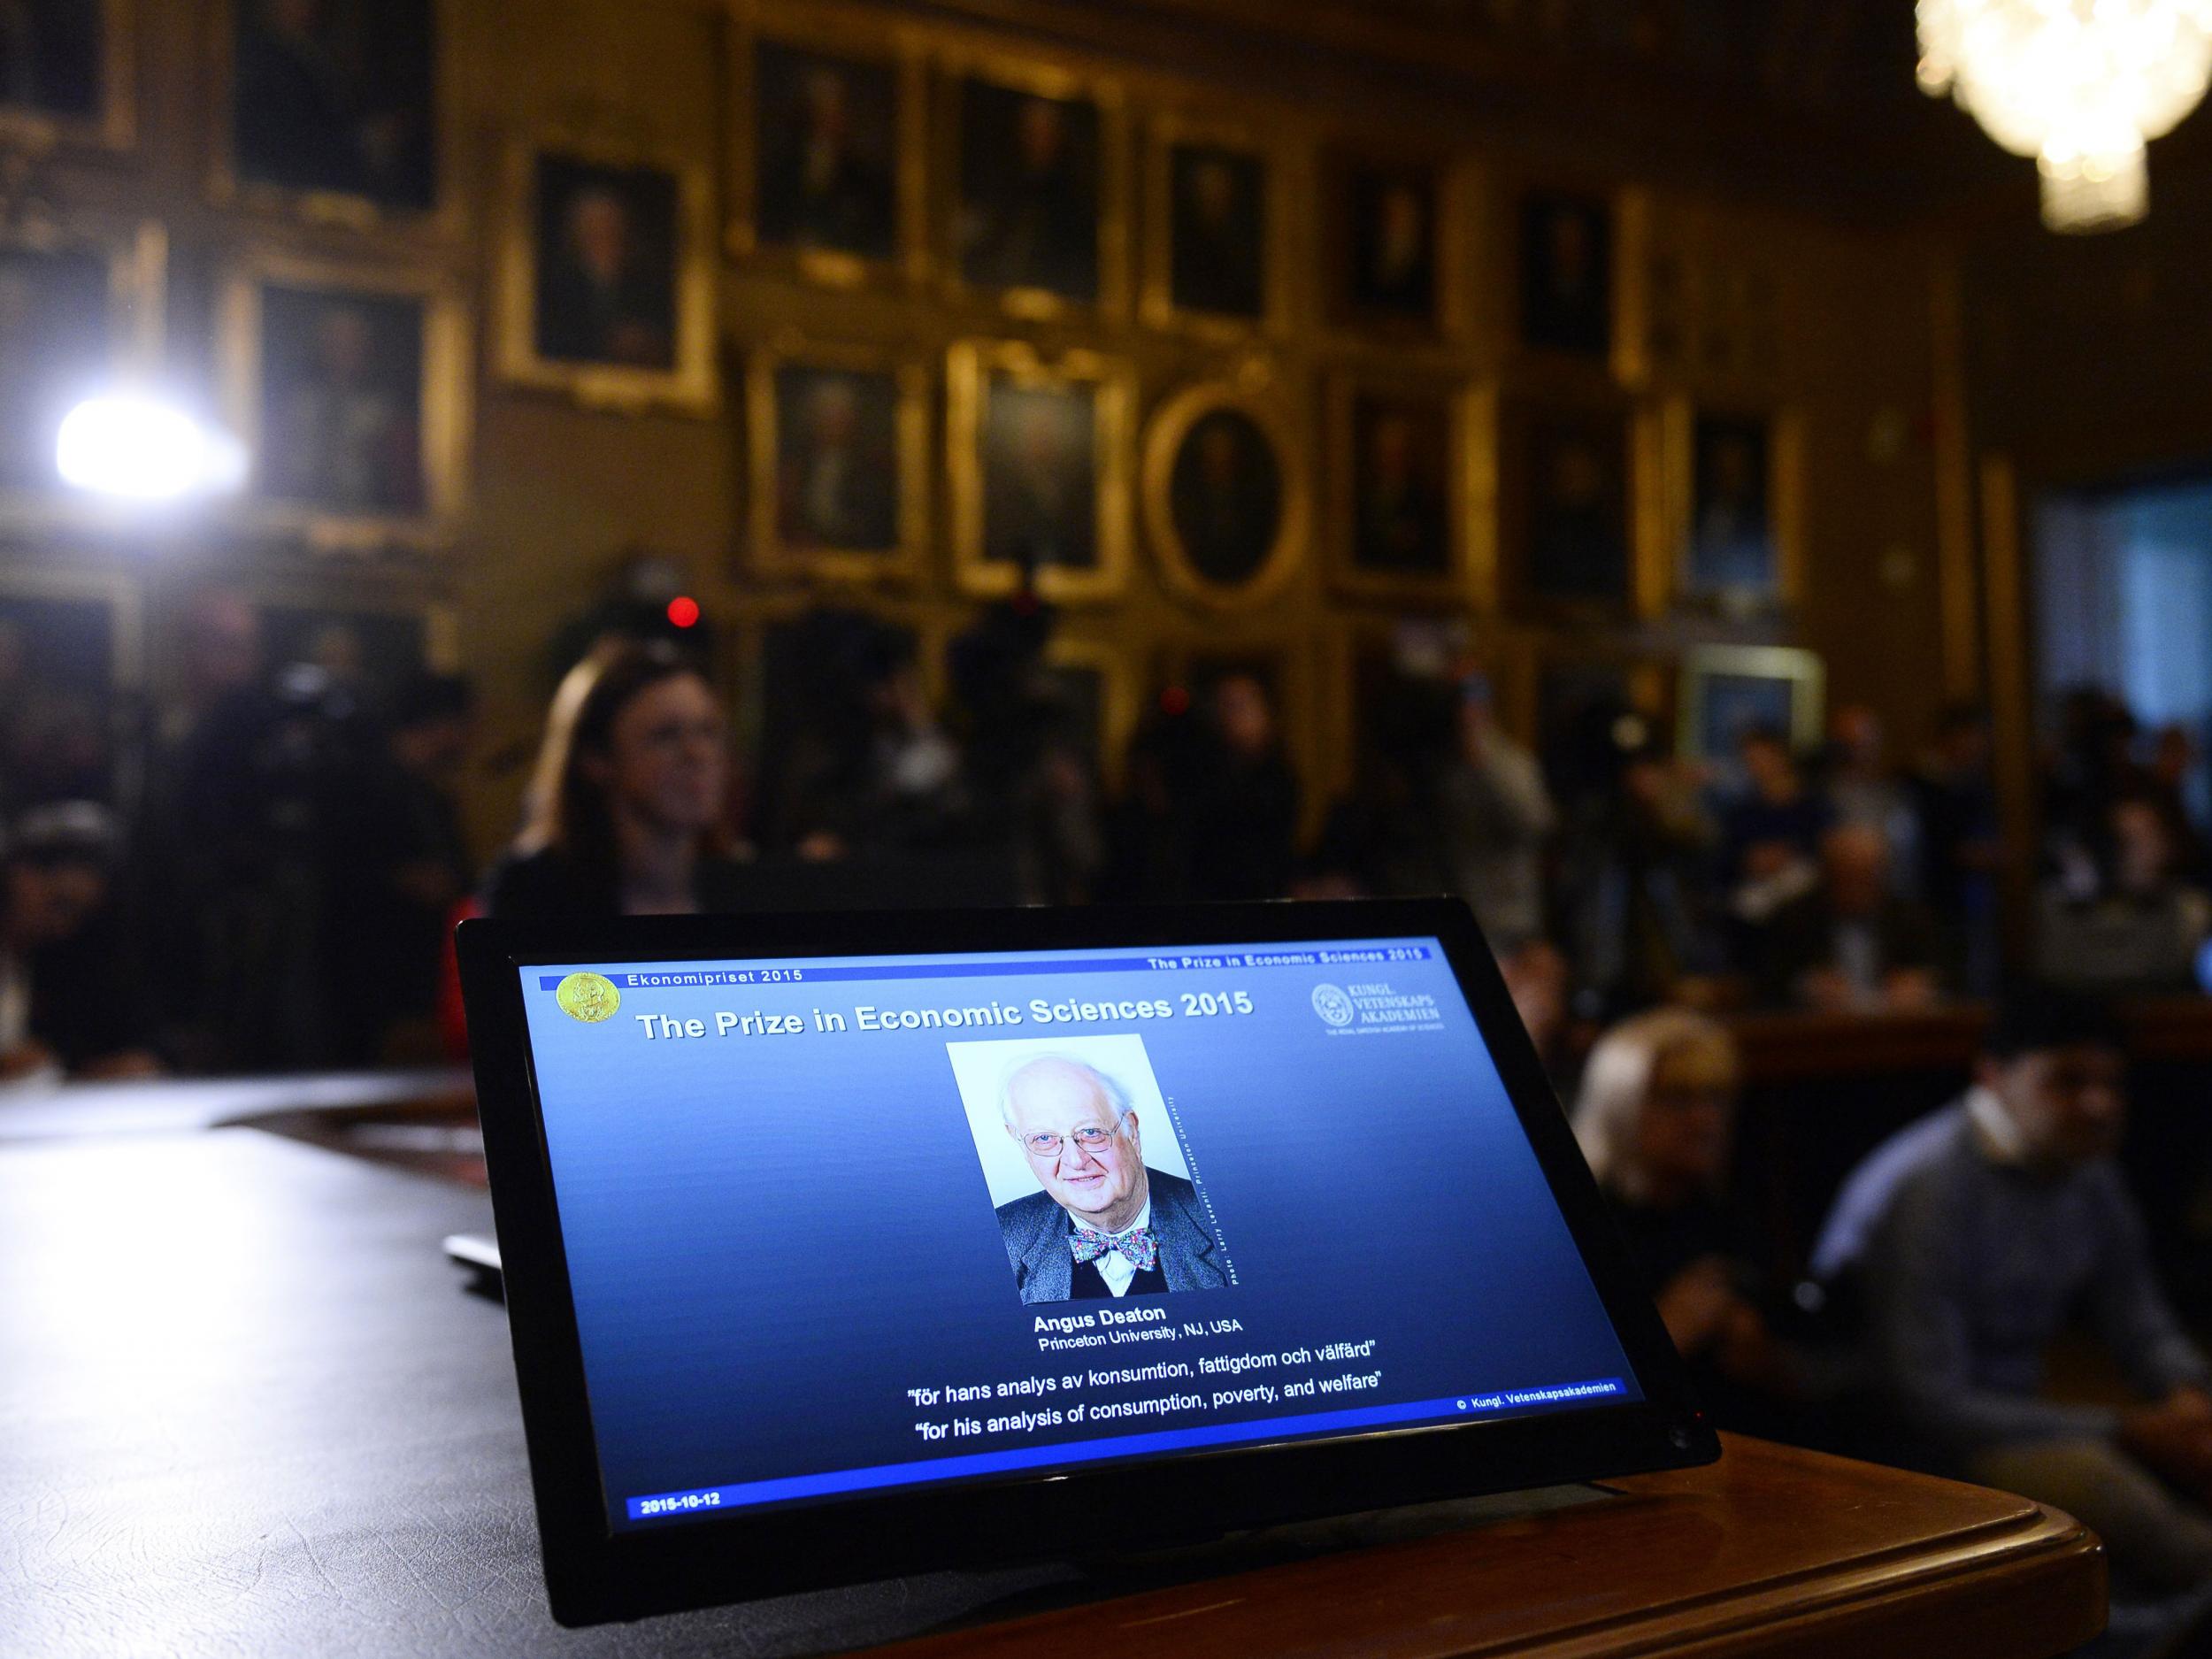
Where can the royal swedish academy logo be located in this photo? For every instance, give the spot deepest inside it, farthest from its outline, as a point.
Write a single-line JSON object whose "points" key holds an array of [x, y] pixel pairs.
{"points": [[590, 997], [1332, 1005]]}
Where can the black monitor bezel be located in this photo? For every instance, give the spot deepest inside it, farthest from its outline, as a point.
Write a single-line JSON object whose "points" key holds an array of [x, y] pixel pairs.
{"points": [[593, 1573]]}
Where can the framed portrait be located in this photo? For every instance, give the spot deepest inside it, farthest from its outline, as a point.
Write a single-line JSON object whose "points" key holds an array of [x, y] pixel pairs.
{"points": [[334, 104], [1038, 213], [1225, 493], [840, 462], [77, 313], [68, 71], [1214, 261], [70, 646], [1568, 506], [1096, 691], [829, 172], [368, 650], [1566, 263], [351, 387], [1392, 223], [608, 276], [1736, 483], [1728, 689], [1040, 470], [1410, 461]]}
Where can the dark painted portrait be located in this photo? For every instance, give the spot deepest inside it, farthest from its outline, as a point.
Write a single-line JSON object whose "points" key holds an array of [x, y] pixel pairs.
{"points": [[1225, 496], [50, 52], [837, 460], [341, 400], [337, 96], [57, 698], [1400, 493], [1567, 274], [1040, 460], [1577, 521], [1029, 190], [826, 143], [54, 350], [1217, 230], [1731, 521], [1391, 243], [607, 270]]}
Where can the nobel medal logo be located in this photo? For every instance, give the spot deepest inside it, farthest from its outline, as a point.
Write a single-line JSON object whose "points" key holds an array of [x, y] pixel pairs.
{"points": [[590, 997], [1330, 1002]]}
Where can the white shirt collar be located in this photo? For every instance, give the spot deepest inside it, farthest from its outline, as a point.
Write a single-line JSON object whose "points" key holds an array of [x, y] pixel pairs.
{"points": [[2001, 1137]]}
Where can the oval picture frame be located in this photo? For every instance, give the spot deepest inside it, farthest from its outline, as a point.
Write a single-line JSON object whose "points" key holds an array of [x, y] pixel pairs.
{"points": [[1170, 430]]}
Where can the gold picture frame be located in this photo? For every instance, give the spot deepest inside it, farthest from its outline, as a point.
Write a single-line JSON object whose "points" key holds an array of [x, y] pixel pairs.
{"points": [[1057, 83], [1171, 425], [1468, 487], [1636, 492], [136, 257], [776, 554], [856, 38], [442, 406], [115, 126], [1452, 184], [446, 214], [689, 383], [1711, 673], [1782, 488], [970, 369], [1164, 134], [1119, 698]]}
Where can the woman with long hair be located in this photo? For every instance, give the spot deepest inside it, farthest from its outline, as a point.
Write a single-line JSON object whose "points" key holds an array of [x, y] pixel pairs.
{"points": [[625, 815]]}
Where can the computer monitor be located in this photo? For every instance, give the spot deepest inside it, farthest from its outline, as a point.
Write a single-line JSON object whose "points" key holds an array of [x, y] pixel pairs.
{"points": [[838, 1247]]}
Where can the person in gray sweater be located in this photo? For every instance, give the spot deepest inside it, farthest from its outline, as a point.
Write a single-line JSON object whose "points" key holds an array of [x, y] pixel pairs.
{"points": [[1971, 1239]]}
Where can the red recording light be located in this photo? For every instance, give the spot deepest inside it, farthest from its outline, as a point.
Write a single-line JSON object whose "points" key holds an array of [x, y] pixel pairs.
{"points": [[683, 612], [1175, 700]]}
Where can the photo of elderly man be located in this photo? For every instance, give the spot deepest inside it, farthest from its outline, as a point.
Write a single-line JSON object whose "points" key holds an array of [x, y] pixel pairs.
{"points": [[1105, 1223]]}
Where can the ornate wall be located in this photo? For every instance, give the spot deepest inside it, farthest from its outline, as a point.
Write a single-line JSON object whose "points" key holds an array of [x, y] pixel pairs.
{"points": [[1571, 377]]}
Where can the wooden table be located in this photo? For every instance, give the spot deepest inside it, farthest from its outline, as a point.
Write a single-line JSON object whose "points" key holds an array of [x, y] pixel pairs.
{"points": [[249, 1411]]}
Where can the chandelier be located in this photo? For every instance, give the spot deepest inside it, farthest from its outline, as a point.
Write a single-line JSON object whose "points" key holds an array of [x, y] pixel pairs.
{"points": [[2077, 84]]}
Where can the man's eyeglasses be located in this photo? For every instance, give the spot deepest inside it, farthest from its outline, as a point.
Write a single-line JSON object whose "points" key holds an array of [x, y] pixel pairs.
{"points": [[1089, 1138]]}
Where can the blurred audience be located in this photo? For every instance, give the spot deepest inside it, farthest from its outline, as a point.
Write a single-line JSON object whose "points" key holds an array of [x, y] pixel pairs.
{"points": [[1240, 807], [1863, 788], [1972, 1239], [1770, 832], [626, 809], [1847, 944], [2137, 925], [1655, 1117], [70, 992], [1494, 819], [1954, 802]]}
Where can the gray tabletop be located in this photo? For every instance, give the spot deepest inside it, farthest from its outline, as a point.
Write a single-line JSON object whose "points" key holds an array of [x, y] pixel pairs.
{"points": [[246, 1408]]}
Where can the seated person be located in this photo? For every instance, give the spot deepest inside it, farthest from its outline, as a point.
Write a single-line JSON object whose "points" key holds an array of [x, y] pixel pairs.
{"points": [[1769, 833], [1656, 1117], [1968, 1239], [69, 1003], [1848, 943], [2139, 928]]}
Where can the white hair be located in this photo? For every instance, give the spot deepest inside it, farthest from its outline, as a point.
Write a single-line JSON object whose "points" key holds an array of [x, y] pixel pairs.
{"points": [[1616, 1085], [1117, 1096]]}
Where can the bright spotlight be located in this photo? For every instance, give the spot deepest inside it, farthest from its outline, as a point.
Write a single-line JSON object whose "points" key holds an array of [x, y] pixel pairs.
{"points": [[138, 448]]}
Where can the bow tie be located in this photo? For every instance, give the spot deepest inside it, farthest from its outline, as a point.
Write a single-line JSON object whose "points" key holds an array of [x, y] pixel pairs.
{"points": [[1137, 1244]]}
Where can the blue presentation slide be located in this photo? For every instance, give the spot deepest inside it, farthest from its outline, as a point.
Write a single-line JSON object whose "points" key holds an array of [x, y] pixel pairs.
{"points": [[839, 1225]]}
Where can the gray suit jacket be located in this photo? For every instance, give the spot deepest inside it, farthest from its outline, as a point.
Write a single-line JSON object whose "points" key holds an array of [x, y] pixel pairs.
{"points": [[1036, 1233]]}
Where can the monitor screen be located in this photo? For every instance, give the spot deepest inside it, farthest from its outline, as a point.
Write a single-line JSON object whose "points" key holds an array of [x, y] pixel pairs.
{"points": [[839, 1225]]}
